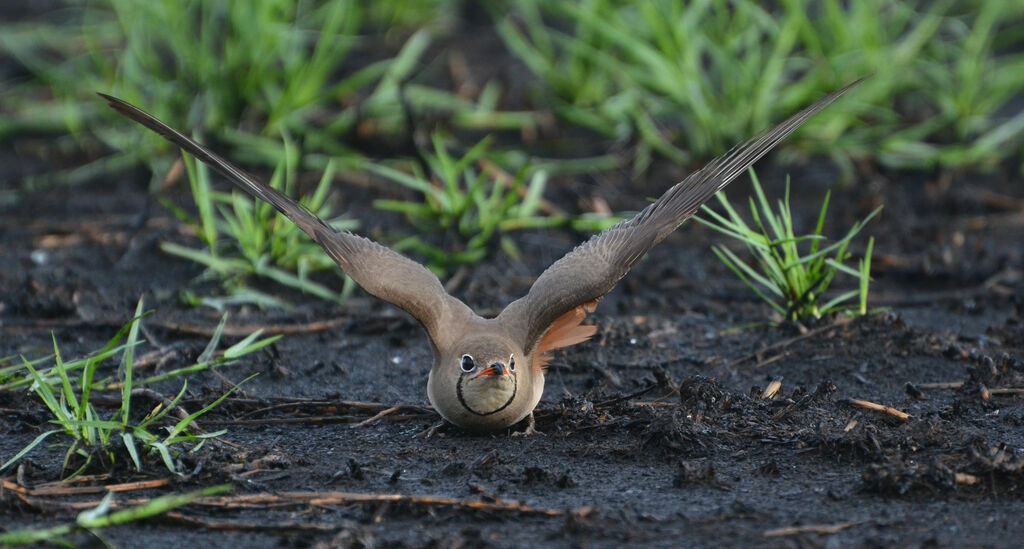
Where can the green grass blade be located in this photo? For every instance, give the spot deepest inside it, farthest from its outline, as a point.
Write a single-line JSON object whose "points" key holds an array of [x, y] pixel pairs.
{"points": [[865, 276], [127, 364], [36, 442], [184, 422], [133, 452]]}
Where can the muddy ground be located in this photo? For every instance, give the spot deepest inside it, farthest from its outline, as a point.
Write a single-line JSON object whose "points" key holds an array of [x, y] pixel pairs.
{"points": [[656, 432]]}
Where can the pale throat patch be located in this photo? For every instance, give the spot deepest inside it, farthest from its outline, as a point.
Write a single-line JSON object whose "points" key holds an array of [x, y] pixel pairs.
{"points": [[486, 399]]}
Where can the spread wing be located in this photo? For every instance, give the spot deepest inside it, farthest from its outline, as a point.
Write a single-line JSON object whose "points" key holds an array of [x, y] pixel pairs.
{"points": [[379, 270], [593, 268]]}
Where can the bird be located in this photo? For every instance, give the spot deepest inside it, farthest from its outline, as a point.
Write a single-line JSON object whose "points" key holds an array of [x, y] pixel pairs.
{"points": [[487, 374]]}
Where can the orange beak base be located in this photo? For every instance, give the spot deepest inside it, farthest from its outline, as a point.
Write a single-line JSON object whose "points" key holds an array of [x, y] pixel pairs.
{"points": [[496, 369]]}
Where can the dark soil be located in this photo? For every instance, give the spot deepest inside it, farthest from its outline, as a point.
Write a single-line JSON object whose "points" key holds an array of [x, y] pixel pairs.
{"points": [[656, 432]]}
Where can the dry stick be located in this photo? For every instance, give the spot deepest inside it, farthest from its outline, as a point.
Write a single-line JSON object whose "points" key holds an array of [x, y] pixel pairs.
{"points": [[809, 529], [312, 420], [290, 402], [654, 403], [381, 409], [53, 490], [80, 479], [168, 403], [356, 404], [289, 499], [376, 417], [179, 411], [616, 400], [770, 360], [1007, 391], [942, 385], [997, 391], [347, 498], [879, 408], [455, 282], [787, 342], [282, 406]]}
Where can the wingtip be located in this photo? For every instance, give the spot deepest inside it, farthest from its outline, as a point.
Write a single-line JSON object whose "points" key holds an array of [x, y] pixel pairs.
{"points": [[855, 83], [112, 102]]}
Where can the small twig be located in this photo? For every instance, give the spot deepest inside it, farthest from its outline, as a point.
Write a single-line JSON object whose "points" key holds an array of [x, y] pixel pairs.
{"points": [[347, 498], [311, 420], [654, 404], [291, 499], [771, 360], [1007, 391], [880, 408], [81, 479], [299, 401], [376, 417], [430, 431], [756, 355], [456, 280], [942, 385], [54, 489], [617, 400], [824, 529], [997, 391], [325, 406], [168, 403]]}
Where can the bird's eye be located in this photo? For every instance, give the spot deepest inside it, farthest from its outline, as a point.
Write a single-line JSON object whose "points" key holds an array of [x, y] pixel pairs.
{"points": [[467, 363], [511, 363]]}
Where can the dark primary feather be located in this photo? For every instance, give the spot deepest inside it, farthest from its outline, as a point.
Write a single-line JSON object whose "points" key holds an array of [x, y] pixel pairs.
{"points": [[379, 270], [594, 267]]}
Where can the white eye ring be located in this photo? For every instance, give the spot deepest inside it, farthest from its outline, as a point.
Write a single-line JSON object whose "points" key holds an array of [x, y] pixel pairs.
{"points": [[467, 364], [512, 363]]}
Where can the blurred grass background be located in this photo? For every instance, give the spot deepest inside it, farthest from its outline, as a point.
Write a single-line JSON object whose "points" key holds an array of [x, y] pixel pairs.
{"points": [[680, 79], [403, 89]]}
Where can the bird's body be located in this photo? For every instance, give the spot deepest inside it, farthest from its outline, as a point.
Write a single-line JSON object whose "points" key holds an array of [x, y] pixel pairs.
{"points": [[488, 373]]}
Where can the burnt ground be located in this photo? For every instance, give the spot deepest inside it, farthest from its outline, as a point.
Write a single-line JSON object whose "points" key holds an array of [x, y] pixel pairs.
{"points": [[656, 432]]}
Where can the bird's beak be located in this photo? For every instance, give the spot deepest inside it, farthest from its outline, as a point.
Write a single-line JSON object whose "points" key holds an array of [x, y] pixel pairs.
{"points": [[493, 370]]}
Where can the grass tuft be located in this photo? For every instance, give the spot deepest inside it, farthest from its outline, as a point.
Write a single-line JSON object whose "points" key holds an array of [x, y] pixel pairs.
{"points": [[246, 238], [689, 79], [66, 389], [791, 273], [472, 199]]}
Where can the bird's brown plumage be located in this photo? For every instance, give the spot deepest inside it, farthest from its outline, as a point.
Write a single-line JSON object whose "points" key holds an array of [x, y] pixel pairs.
{"points": [[548, 317]]}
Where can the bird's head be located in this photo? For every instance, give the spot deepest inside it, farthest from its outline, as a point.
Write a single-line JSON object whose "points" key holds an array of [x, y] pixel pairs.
{"points": [[485, 383]]}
